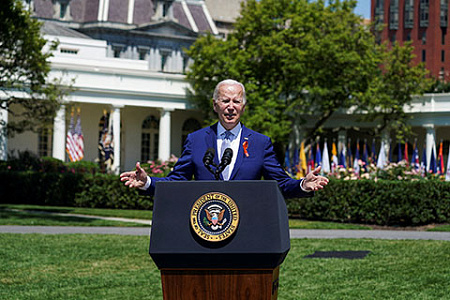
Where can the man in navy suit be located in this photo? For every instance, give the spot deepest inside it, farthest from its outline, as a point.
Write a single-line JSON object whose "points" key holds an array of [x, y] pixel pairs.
{"points": [[253, 158]]}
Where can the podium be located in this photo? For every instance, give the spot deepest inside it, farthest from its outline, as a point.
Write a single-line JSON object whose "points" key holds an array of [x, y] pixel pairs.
{"points": [[201, 256]]}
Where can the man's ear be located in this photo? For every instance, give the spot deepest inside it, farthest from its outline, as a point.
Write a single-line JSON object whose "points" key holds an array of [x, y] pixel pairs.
{"points": [[214, 106]]}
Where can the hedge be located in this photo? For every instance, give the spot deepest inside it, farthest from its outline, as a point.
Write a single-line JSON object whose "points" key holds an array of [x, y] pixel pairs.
{"points": [[382, 202], [69, 189]]}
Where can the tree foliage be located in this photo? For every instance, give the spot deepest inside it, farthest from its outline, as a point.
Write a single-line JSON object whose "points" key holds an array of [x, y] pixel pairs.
{"points": [[25, 89], [301, 60], [393, 89]]}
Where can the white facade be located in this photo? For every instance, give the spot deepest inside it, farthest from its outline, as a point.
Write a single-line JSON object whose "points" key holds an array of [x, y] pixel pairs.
{"points": [[124, 87]]}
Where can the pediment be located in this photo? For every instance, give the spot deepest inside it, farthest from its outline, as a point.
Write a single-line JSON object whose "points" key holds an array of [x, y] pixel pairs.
{"points": [[167, 28]]}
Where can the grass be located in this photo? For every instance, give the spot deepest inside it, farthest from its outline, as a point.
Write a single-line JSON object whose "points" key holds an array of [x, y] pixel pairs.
{"points": [[34, 266], [26, 217], [303, 224], [445, 227], [104, 212], [30, 218]]}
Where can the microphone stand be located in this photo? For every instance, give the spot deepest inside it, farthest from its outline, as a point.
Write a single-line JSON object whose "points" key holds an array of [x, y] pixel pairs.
{"points": [[220, 167]]}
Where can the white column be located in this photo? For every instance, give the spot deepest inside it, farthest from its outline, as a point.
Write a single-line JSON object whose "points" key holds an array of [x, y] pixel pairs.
{"points": [[342, 141], [116, 131], [59, 134], [385, 137], [3, 136], [430, 139], [164, 134]]}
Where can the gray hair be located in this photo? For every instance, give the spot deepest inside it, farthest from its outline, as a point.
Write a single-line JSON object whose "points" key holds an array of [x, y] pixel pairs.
{"points": [[229, 82]]}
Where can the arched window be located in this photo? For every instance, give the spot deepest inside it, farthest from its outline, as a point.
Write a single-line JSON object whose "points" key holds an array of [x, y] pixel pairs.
{"points": [[149, 139], [190, 125]]}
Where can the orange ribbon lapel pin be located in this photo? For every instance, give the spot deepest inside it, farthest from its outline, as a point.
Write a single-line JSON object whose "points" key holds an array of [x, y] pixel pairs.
{"points": [[245, 146]]}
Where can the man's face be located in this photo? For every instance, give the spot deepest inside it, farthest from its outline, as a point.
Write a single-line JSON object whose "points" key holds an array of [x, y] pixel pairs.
{"points": [[229, 106]]}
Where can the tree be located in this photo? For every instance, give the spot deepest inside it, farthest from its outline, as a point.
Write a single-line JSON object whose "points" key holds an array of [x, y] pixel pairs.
{"points": [[393, 88], [25, 89], [298, 60]]}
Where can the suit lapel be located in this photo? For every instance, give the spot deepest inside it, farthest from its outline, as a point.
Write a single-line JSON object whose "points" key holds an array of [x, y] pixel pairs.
{"points": [[211, 141], [245, 134]]}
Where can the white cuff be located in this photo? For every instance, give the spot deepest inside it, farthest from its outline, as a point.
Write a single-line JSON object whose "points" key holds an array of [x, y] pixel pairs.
{"points": [[147, 184], [301, 186]]}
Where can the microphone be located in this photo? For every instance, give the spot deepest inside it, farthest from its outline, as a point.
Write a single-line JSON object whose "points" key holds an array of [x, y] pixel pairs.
{"points": [[209, 157], [208, 160], [226, 158]]}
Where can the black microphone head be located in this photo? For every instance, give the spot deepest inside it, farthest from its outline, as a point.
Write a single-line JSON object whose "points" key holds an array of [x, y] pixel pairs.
{"points": [[227, 156], [209, 156]]}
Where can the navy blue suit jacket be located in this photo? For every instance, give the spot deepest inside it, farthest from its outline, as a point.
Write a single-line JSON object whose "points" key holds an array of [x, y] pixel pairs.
{"points": [[260, 162]]}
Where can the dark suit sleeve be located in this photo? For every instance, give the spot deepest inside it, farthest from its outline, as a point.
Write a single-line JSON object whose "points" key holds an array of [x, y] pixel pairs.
{"points": [[273, 171], [183, 169]]}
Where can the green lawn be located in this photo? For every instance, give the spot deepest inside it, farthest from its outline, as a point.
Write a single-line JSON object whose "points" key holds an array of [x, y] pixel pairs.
{"points": [[33, 218], [104, 212], [26, 217], [34, 266]]}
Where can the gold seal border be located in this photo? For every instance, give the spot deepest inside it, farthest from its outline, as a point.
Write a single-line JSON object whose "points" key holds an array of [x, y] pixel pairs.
{"points": [[217, 196]]}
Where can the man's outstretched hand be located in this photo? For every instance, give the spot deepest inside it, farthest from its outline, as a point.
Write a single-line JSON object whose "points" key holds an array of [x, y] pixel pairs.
{"points": [[313, 181], [134, 179]]}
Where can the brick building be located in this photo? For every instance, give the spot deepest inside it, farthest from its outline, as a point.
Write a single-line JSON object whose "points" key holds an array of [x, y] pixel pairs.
{"points": [[424, 23]]}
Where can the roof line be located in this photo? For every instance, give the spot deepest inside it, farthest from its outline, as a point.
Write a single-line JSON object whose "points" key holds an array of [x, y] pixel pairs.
{"points": [[189, 16]]}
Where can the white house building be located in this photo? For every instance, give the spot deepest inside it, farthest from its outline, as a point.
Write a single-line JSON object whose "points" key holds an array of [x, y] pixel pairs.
{"points": [[127, 58]]}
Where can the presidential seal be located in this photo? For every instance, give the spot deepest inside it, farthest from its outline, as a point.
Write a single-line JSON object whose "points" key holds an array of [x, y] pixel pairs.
{"points": [[214, 217]]}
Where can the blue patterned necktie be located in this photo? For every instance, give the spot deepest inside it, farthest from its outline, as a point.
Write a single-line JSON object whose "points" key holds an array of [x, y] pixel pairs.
{"points": [[226, 143]]}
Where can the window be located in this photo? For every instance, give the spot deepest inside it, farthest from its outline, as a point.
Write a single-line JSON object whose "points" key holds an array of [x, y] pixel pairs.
{"points": [[409, 14], [443, 35], [165, 54], [393, 15], [44, 142], [423, 13], [185, 64], [423, 37], [392, 37], [69, 51], [142, 53], [424, 55], [189, 126], [379, 12], [442, 74], [117, 50], [408, 36], [442, 55], [166, 8], [444, 13], [150, 139], [63, 10]]}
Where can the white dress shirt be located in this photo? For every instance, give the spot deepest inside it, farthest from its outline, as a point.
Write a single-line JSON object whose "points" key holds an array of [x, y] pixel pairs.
{"points": [[234, 145]]}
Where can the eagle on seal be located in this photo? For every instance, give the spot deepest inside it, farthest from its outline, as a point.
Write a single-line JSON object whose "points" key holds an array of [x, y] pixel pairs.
{"points": [[215, 217]]}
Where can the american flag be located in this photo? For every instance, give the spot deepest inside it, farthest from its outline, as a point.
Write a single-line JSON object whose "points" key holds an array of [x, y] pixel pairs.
{"points": [[75, 140]]}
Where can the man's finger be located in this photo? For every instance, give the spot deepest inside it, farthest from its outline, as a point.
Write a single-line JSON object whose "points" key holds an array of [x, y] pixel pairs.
{"points": [[138, 167], [317, 170]]}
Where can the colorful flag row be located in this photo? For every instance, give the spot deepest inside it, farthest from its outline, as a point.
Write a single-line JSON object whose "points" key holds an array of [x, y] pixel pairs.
{"points": [[345, 159]]}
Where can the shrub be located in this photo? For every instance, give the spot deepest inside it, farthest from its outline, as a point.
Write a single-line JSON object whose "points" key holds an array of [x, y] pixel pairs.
{"points": [[382, 202]]}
